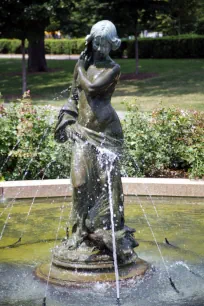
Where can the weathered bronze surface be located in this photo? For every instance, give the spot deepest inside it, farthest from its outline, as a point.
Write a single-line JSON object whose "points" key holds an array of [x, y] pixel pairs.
{"points": [[83, 278], [90, 121]]}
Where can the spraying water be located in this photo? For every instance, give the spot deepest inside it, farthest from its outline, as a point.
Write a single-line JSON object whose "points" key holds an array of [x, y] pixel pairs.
{"points": [[113, 231], [159, 249], [109, 163], [14, 199], [9, 155], [36, 150], [51, 261]]}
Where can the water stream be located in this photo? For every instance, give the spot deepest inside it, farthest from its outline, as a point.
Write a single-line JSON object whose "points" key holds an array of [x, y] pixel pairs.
{"points": [[109, 170]]}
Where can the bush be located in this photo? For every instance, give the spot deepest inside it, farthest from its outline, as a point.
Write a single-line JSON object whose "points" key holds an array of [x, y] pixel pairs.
{"points": [[27, 146], [185, 46], [64, 46], [10, 46], [166, 143]]}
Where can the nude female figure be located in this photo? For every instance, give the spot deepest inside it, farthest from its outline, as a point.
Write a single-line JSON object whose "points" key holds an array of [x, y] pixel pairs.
{"points": [[90, 121]]}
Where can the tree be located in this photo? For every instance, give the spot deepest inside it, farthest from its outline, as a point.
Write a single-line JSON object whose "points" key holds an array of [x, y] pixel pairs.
{"points": [[199, 25], [180, 19], [12, 25], [26, 19], [131, 16], [82, 16]]}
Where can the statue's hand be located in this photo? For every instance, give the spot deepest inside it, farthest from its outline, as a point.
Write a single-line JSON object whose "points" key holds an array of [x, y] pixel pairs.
{"points": [[81, 63], [84, 59], [82, 55]]}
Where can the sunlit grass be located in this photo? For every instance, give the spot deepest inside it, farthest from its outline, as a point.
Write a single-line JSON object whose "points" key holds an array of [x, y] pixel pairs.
{"points": [[178, 82]]}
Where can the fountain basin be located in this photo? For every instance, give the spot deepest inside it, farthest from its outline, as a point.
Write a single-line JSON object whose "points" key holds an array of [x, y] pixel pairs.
{"points": [[180, 221]]}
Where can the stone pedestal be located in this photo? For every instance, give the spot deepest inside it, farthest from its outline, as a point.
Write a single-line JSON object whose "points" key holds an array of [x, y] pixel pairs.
{"points": [[81, 267]]}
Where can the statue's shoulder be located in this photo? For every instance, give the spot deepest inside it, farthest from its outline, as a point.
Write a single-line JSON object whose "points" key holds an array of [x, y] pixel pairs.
{"points": [[115, 67]]}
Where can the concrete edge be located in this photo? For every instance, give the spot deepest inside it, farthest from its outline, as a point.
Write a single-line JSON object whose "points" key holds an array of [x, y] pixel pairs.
{"points": [[131, 186]]}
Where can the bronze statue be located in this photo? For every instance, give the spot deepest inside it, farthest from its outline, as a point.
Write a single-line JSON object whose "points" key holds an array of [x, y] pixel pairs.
{"points": [[90, 121]]}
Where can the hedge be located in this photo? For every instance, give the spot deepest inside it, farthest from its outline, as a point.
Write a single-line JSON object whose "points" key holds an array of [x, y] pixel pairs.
{"points": [[185, 46], [52, 46], [168, 47], [64, 46], [10, 46]]}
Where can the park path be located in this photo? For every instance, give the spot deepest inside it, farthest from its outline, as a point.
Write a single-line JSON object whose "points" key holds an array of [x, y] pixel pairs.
{"points": [[48, 56]]}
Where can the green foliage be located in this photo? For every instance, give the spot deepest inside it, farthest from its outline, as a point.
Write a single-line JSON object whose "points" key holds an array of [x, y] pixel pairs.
{"points": [[52, 46], [130, 16], [27, 147], [185, 46], [200, 26], [28, 19], [64, 46], [10, 45], [167, 142], [179, 19]]}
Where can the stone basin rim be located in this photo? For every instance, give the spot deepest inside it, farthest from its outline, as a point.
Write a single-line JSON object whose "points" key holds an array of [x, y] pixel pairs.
{"points": [[131, 186]]}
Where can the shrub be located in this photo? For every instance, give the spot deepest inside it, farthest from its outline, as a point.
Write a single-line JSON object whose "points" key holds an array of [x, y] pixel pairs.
{"points": [[11, 46], [27, 146], [167, 142], [64, 46], [185, 46]]}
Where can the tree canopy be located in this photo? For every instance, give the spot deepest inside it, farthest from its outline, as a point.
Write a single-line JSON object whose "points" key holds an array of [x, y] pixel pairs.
{"points": [[29, 19], [24, 19], [180, 19]]}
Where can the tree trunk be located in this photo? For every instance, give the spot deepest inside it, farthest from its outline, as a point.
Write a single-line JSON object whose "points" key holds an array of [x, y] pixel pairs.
{"points": [[36, 52], [24, 83], [136, 51]]}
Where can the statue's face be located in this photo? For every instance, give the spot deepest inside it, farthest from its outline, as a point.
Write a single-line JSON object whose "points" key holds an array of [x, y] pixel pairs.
{"points": [[101, 45]]}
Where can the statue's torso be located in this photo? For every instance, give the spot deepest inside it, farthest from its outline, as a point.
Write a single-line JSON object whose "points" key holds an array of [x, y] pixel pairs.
{"points": [[96, 111]]}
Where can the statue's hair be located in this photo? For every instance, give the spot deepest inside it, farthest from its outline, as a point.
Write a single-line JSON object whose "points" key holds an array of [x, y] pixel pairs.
{"points": [[105, 28]]}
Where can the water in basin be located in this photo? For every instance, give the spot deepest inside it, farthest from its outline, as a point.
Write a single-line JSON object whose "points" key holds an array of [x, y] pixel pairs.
{"points": [[180, 220]]}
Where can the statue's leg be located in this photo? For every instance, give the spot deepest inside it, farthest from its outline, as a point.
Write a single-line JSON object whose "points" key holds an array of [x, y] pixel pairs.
{"points": [[99, 213], [112, 185], [82, 198]]}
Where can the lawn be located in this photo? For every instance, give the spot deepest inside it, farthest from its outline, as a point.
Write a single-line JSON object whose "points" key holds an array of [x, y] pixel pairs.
{"points": [[177, 82]]}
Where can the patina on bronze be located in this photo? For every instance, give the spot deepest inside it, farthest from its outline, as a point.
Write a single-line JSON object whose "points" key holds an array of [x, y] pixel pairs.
{"points": [[90, 121]]}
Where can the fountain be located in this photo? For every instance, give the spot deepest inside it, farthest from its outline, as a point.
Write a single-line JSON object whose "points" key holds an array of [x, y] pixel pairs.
{"points": [[97, 255], [101, 246]]}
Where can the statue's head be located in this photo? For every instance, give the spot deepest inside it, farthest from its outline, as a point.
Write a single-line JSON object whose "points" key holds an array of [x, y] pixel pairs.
{"points": [[104, 37]]}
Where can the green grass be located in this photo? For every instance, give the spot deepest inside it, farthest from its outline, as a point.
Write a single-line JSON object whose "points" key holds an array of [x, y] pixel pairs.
{"points": [[45, 87], [178, 82]]}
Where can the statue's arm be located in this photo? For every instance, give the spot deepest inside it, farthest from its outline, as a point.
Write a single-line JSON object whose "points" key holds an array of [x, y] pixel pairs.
{"points": [[101, 83]]}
